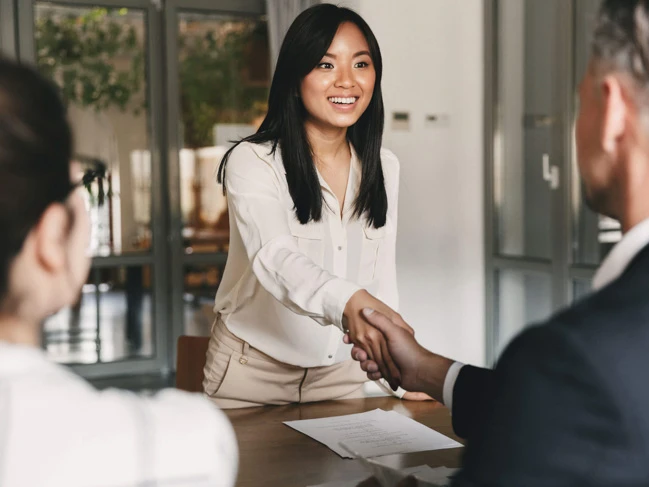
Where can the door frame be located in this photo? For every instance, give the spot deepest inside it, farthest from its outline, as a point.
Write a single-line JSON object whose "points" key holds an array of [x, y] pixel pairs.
{"points": [[8, 21], [179, 259], [156, 259], [167, 258]]}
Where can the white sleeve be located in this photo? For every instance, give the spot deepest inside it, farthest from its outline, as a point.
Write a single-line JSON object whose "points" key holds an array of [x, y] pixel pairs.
{"points": [[253, 192], [449, 384]]}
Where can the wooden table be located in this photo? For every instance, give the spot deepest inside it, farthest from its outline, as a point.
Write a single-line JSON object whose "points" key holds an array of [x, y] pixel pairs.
{"points": [[272, 454]]}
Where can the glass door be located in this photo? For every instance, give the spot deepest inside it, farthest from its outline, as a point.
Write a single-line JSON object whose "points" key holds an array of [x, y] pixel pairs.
{"points": [[156, 93], [528, 117], [106, 59], [545, 244], [218, 69]]}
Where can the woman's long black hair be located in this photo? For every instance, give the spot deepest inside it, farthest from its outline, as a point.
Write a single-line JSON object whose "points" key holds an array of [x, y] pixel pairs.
{"points": [[306, 42]]}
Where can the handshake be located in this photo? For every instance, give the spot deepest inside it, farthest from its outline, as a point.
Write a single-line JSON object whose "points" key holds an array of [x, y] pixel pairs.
{"points": [[385, 346]]}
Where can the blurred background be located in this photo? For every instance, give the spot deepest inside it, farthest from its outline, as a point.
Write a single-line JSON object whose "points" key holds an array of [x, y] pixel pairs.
{"points": [[480, 102]]}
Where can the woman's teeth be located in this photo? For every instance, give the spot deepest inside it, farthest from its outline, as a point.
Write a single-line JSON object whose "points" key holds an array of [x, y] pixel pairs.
{"points": [[342, 101]]}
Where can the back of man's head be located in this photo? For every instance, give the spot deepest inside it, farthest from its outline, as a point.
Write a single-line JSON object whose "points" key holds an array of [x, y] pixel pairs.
{"points": [[612, 129], [621, 38]]}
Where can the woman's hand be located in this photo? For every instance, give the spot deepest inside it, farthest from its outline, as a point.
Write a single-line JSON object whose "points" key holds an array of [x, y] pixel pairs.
{"points": [[371, 340], [384, 309], [417, 396]]}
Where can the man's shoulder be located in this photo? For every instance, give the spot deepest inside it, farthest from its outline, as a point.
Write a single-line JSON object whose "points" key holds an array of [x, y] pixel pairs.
{"points": [[566, 333], [613, 318], [605, 336], [615, 315]]}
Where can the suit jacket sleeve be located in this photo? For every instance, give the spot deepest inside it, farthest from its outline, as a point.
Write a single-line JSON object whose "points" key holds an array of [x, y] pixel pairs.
{"points": [[473, 391], [550, 420]]}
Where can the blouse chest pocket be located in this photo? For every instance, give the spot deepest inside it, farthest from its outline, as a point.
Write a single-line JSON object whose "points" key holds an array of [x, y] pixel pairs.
{"points": [[309, 239], [373, 245]]}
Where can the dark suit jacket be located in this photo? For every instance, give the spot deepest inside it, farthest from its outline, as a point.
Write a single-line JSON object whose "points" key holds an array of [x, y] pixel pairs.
{"points": [[568, 402]]}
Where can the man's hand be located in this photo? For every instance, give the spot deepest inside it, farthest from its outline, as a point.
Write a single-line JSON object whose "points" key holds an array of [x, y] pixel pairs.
{"points": [[361, 300], [368, 338], [402, 347], [416, 396], [420, 370]]}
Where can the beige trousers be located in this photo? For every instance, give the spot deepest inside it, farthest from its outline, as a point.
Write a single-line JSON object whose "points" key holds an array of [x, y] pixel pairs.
{"points": [[239, 376]]}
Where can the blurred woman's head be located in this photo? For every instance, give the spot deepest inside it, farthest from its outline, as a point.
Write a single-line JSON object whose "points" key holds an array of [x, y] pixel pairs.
{"points": [[44, 227]]}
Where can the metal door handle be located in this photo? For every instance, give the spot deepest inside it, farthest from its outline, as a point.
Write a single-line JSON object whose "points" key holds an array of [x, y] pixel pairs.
{"points": [[550, 173]]}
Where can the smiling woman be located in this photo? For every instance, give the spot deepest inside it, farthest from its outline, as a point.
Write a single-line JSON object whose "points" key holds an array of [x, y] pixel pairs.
{"points": [[338, 91], [313, 217]]}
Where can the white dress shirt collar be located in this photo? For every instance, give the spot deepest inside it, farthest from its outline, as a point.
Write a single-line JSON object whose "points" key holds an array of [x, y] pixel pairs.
{"points": [[622, 254]]}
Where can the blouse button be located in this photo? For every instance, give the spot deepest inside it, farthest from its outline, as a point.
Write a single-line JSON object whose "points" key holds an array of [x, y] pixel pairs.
{"points": [[340, 247]]}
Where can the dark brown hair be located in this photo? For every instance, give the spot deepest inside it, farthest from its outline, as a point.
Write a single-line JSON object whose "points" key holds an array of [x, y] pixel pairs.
{"points": [[621, 38], [35, 152]]}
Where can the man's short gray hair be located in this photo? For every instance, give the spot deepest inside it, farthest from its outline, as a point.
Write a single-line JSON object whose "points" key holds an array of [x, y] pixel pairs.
{"points": [[621, 38]]}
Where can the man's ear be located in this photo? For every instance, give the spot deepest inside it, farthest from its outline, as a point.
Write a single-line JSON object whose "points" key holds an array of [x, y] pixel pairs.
{"points": [[615, 112]]}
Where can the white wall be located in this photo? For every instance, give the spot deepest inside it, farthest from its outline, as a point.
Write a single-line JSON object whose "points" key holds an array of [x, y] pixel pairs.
{"points": [[433, 64]]}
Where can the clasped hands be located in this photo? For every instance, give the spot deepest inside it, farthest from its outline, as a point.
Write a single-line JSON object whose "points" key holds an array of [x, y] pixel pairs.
{"points": [[371, 347]]}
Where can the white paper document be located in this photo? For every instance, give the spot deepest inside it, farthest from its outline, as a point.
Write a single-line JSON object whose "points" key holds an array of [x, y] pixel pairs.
{"points": [[426, 477], [373, 434]]}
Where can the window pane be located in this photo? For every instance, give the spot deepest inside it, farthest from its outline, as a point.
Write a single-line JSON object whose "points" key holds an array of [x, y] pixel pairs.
{"points": [[523, 299], [526, 143], [98, 58], [224, 76], [201, 283], [112, 320]]}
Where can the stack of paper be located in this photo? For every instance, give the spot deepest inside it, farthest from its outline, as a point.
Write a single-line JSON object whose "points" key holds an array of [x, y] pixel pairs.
{"points": [[372, 434]]}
